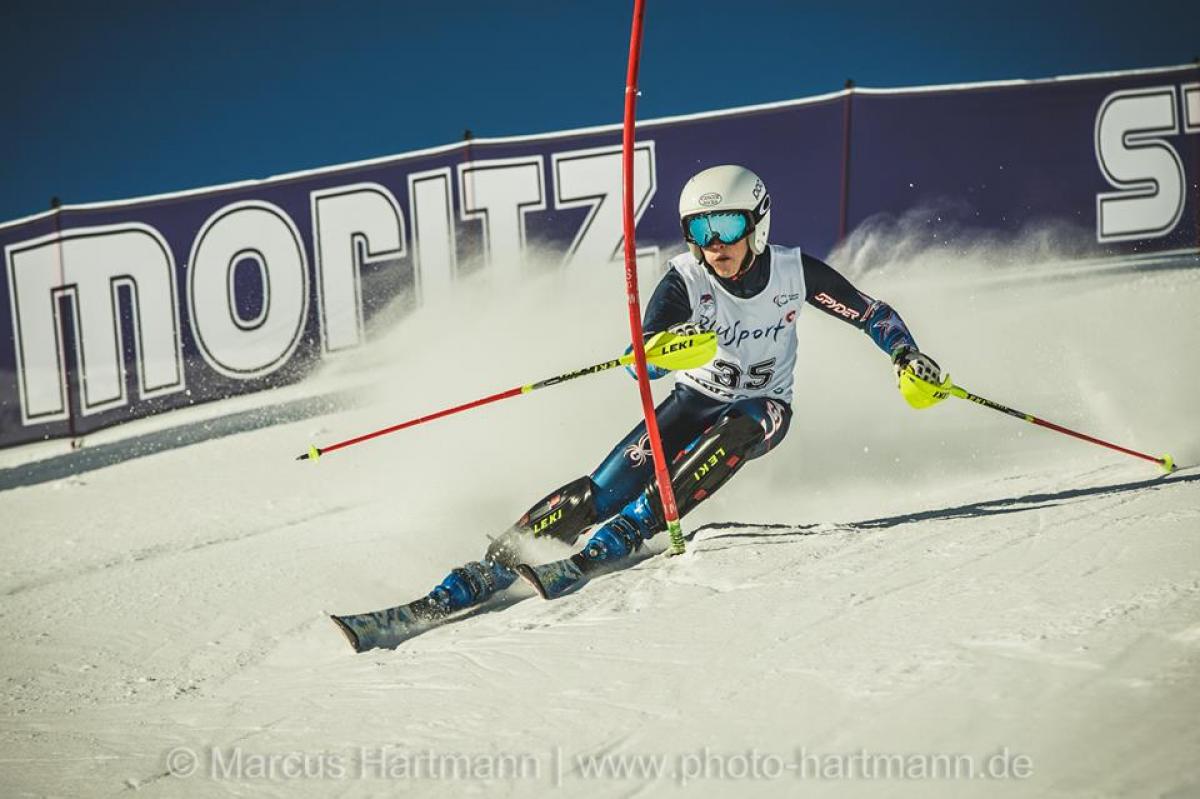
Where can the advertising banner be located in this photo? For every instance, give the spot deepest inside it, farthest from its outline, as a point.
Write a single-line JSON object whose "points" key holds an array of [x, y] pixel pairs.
{"points": [[117, 311]]}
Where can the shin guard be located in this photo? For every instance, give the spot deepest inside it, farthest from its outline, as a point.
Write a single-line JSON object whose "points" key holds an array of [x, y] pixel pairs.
{"points": [[704, 466], [563, 515]]}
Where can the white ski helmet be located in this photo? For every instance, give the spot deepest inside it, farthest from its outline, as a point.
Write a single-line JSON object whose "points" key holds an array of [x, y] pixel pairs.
{"points": [[727, 188]]}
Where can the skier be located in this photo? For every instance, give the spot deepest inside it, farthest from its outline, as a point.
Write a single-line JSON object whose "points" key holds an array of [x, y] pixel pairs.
{"points": [[718, 417]]}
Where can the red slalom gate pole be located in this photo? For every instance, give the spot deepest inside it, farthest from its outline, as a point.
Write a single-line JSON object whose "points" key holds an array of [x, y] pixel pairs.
{"points": [[670, 510]]}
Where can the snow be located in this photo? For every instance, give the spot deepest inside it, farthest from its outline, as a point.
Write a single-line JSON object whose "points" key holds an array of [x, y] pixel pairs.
{"points": [[943, 583]]}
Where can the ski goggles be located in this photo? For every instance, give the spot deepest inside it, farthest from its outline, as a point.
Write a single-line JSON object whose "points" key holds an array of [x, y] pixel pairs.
{"points": [[727, 227]]}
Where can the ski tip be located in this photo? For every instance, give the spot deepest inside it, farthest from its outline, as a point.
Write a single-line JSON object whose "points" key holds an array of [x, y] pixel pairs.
{"points": [[1167, 463], [351, 636], [530, 576]]}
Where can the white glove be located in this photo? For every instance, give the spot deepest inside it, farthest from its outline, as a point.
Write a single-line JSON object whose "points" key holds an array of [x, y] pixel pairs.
{"points": [[920, 364], [685, 329]]}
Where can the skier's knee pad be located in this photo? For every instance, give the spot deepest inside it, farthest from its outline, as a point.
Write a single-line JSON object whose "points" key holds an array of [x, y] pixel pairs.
{"points": [[772, 415], [708, 462], [563, 515]]}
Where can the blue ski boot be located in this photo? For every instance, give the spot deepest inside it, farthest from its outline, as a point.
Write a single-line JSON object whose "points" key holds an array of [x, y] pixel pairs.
{"points": [[471, 585]]}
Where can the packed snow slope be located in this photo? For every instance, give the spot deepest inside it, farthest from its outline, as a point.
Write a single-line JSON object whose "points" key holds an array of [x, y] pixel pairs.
{"points": [[892, 604]]}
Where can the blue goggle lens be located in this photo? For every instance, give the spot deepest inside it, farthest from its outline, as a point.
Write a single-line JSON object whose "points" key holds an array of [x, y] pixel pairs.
{"points": [[727, 227]]}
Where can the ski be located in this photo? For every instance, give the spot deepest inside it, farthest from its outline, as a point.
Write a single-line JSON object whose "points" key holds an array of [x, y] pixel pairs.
{"points": [[388, 628]]}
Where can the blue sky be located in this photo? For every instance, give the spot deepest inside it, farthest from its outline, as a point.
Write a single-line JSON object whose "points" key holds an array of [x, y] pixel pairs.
{"points": [[111, 100]]}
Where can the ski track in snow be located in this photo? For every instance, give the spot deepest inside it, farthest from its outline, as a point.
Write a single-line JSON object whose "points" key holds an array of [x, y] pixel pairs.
{"points": [[949, 581]]}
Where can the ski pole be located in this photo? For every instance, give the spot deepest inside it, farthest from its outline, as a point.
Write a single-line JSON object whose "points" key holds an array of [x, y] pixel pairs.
{"points": [[666, 350], [922, 394]]}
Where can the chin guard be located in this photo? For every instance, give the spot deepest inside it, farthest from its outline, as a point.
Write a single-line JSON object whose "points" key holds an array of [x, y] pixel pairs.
{"points": [[922, 394]]}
